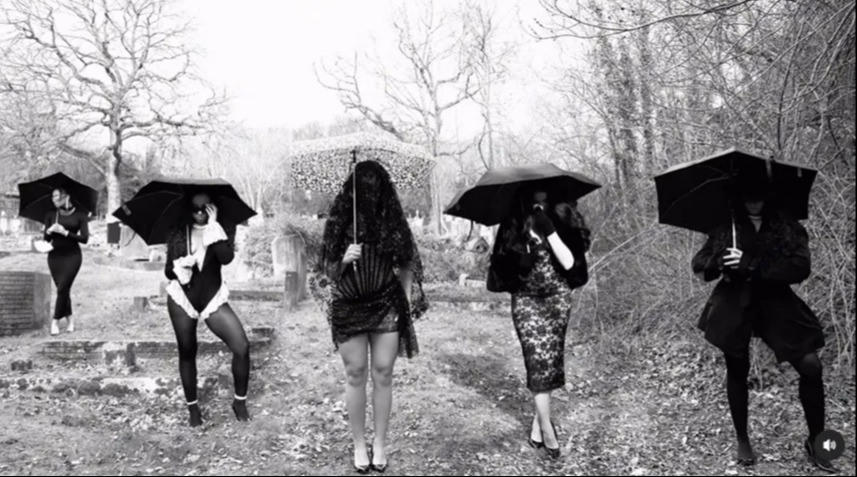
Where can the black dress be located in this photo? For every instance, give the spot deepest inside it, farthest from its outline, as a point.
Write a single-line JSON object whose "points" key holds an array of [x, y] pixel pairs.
{"points": [[370, 299], [757, 299], [65, 259], [541, 309]]}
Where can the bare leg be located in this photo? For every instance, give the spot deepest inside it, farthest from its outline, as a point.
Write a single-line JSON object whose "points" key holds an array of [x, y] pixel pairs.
{"points": [[355, 356], [543, 416], [385, 348]]}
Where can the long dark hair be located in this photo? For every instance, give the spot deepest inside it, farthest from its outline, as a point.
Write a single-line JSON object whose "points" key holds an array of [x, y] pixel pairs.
{"points": [[513, 234], [380, 220]]}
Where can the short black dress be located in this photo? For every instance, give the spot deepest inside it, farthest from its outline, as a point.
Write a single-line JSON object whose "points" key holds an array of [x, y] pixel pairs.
{"points": [[369, 298]]}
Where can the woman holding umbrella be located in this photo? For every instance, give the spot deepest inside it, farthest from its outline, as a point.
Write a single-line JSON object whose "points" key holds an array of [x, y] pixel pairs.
{"points": [[197, 248], [539, 257], [64, 206], [196, 218], [65, 228], [759, 254], [375, 272]]}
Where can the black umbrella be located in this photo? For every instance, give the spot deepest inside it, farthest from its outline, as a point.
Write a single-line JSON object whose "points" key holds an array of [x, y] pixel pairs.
{"points": [[36, 200], [488, 202], [159, 205], [697, 195]]}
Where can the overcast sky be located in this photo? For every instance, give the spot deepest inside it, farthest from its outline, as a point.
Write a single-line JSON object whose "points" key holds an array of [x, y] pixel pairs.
{"points": [[263, 51]]}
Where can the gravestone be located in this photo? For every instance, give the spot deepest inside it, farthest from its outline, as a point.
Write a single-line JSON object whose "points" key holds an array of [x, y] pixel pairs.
{"points": [[279, 249], [25, 301], [131, 245], [157, 256], [289, 257]]}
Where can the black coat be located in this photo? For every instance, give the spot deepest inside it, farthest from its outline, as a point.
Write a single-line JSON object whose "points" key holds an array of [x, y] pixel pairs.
{"points": [[508, 268], [773, 258]]}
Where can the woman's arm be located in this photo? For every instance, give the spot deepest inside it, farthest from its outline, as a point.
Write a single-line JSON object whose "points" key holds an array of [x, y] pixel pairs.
{"points": [[708, 263], [215, 237], [543, 226], [82, 234], [49, 219], [561, 251]]}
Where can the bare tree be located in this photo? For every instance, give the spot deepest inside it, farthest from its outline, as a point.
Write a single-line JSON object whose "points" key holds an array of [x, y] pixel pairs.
{"points": [[113, 71], [439, 53], [27, 132], [490, 62], [672, 80]]}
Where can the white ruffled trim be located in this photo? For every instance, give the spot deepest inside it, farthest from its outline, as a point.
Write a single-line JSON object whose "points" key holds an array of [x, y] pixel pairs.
{"points": [[175, 291], [212, 233], [183, 268]]}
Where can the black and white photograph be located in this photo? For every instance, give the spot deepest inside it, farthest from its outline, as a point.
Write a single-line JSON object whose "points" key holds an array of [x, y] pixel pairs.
{"points": [[428, 237]]}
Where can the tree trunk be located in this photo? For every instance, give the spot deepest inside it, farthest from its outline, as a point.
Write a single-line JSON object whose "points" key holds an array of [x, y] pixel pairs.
{"points": [[111, 177]]}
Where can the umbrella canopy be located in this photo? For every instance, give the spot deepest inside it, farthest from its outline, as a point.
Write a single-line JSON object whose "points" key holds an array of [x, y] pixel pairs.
{"points": [[36, 200], [324, 164], [159, 205], [489, 200], [697, 195]]}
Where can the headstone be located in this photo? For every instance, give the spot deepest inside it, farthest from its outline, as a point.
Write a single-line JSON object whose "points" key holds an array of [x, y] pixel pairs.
{"points": [[157, 256], [462, 280], [279, 249], [141, 303], [295, 269], [131, 245], [25, 301], [4, 223], [113, 233]]}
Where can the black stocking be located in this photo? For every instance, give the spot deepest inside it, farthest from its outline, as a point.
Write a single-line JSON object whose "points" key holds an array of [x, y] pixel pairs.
{"points": [[737, 370], [226, 326], [185, 328], [811, 392]]}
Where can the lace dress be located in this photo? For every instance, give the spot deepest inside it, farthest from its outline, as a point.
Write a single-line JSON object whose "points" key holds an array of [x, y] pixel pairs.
{"points": [[540, 312]]}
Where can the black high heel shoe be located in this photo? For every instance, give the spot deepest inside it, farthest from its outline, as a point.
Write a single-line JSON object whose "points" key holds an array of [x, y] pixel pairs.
{"points": [[364, 469], [552, 453]]}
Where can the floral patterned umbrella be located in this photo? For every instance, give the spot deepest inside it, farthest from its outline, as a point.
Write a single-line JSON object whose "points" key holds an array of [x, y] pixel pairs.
{"points": [[324, 164]]}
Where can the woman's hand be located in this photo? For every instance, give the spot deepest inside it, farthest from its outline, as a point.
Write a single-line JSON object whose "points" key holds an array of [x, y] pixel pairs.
{"points": [[211, 210], [58, 229], [733, 258], [542, 224], [353, 253]]}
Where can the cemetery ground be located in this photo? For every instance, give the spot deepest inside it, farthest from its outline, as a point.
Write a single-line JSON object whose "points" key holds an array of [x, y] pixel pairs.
{"points": [[460, 407]]}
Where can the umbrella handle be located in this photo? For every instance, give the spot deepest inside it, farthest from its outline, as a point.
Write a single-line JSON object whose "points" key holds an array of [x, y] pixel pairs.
{"points": [[734, 235], [354, 191], [354, 197]]}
